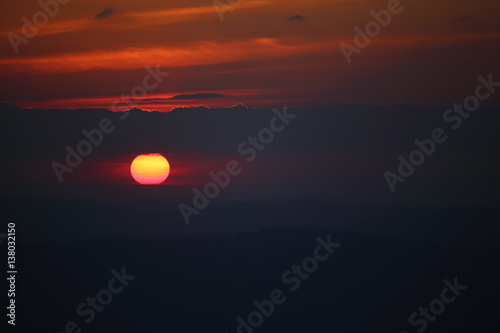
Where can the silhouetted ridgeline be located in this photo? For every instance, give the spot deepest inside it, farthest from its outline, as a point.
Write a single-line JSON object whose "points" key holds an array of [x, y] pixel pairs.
{"points": [[360, 128]]}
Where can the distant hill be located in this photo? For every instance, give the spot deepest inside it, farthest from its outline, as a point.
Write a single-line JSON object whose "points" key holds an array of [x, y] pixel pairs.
{"points": [[370, 283]]}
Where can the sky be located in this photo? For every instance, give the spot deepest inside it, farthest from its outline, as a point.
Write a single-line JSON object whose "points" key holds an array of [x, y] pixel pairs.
{"points": [[288, 126], [263, 53], [216, 81]]}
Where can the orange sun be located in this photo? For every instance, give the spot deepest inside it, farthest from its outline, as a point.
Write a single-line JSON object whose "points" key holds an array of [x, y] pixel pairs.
{"points": [[150, 169]]}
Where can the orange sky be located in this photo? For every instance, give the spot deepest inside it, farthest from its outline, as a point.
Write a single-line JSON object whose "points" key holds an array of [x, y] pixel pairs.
{"points": [[256, 56]]}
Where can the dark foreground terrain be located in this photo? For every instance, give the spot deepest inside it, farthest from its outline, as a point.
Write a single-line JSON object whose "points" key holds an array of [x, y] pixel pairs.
{"points": [[368, 284]]}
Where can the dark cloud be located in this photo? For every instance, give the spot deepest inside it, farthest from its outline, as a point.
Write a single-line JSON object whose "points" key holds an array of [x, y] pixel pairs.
{"points": [[105, 13], [298, 18], [197, 96], [463, 18]]}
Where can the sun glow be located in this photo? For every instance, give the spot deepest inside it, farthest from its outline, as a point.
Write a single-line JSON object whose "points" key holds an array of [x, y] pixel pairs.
{"points": [[150, 169]]}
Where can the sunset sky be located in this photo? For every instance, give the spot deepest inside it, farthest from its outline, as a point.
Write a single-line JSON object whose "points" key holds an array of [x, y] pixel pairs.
{"points": [[222, 150], [264, 53]]}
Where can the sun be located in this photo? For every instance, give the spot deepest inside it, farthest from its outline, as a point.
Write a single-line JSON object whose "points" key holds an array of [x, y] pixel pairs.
{"points": [[150, 169]]}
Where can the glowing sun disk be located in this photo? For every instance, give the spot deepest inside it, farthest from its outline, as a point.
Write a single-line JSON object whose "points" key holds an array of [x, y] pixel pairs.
{"points": [[150, 169]]}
